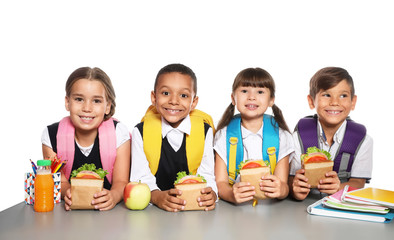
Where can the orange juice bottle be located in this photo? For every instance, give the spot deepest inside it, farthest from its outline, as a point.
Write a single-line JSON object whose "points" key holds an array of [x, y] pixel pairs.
{"points": [[43, 187]]}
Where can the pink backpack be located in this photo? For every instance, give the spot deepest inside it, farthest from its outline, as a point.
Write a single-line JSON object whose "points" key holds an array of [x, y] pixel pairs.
{"points": [[107, 140]]}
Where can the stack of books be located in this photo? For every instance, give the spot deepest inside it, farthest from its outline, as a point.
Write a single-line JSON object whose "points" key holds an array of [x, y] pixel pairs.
{"points": [[368, 204]]}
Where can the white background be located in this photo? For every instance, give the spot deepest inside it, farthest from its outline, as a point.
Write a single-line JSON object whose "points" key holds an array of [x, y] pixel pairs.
{"points": [[42, 42]]}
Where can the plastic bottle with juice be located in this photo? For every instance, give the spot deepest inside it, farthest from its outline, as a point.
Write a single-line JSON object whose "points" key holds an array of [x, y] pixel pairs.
{"points": [[43, 187]]}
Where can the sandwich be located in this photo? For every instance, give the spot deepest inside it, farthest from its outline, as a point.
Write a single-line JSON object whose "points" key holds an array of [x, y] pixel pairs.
{"points": [[191, 186], [251, 171], [85, 182], [316, 163]]}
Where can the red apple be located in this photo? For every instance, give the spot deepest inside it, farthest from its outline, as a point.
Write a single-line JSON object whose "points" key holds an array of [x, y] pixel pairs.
{"points": [[136, 195]]}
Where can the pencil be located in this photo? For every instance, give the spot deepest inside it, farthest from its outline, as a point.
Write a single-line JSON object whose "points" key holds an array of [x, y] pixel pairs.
{"points": [[33, 165], [57, 168]]}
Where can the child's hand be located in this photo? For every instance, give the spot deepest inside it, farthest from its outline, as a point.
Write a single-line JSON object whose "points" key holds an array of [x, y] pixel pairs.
{"points": [[300, 186], [272, 186], [243, 192], [330, 184], [167, 200], [67, 199], [207, 198], [103, 200]]}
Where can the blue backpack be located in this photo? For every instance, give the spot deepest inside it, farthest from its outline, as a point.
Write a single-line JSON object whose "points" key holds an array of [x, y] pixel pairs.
{"points": [[235, 150], [355, 133]]}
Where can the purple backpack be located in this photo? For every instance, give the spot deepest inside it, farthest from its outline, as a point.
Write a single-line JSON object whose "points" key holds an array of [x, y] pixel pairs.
{"points": [[354, 135]]}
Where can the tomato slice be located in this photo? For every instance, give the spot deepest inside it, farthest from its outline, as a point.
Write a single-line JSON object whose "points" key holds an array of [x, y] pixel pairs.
{"points": [[251, 165], [191, 180], [317, 159], [89, 176]]}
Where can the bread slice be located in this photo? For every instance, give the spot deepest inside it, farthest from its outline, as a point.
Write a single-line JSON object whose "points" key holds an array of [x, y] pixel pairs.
{"points": [[253, 176], [82, 191], [316, 171], [190, 193]]}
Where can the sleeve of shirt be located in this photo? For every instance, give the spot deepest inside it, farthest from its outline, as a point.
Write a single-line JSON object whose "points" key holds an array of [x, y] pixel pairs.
{"points": [[139, 163], [286, 145], [122, 134], [220, 144], [295, 157], [362, 165], [207, 166], [45, 138]]}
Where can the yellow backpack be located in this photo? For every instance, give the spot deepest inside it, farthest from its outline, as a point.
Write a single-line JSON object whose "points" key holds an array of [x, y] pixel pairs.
{"points": [[195, 142]]}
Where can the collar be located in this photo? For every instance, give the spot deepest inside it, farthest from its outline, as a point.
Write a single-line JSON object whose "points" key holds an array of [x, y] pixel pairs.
{"points": [[184, 127], [246, 133], [338, 136]]}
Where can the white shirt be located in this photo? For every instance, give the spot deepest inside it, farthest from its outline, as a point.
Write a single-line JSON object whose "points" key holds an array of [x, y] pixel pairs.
{"points": [[362, 163], [253, 144], [140, 166], [122, 135]]}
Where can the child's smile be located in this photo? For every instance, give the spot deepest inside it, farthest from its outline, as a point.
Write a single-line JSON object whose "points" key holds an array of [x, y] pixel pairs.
{"points": [[332, 112], [86, 119], [251, 107], [173, 111]]}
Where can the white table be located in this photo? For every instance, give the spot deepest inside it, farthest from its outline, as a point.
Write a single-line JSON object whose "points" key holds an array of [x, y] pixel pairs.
{"points": [[270, 219]]}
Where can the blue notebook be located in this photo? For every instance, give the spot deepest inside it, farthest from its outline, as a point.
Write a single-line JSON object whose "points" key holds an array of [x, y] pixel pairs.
{"points": [[318, 209]]}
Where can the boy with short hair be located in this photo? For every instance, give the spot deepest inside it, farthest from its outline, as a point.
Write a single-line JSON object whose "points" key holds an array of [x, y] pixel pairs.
{"points": [[333, 96], [157, 161]]}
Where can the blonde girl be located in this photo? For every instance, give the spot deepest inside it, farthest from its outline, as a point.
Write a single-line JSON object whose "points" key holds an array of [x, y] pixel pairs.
{"points": [[90, 135]]}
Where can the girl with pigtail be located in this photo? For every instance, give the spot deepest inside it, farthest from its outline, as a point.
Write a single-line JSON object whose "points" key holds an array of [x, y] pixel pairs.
{"points": [[253, 92]]}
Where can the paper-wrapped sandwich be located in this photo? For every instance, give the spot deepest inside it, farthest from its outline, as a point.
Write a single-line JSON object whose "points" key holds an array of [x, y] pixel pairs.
{"points": [[191, 186], [316, 163], [251, 171], [85, 182]]}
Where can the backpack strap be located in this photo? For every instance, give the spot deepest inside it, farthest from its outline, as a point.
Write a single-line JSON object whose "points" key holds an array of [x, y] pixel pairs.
{"points": [[355, 133], [152, 138], [107, 140], [235, 149], [195, 141], [66, 144], [307, 132], [354, 136], [270, 142]]}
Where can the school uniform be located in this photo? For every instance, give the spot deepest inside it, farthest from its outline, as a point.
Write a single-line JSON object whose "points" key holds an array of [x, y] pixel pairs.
{"points": [[253, 144], [362, 164], [173, 156], [90, 154]]}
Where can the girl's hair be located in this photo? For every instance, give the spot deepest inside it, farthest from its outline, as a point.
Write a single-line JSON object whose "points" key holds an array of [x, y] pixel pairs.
{"points": [[253, 77], [329, 77], [95, 74]]}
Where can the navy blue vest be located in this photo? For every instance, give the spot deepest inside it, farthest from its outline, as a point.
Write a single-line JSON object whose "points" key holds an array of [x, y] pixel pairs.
{"points": [[170, 162], [79, 158]]}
